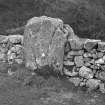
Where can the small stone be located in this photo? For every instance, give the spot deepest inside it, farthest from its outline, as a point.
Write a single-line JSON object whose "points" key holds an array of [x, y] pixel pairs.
{"points": [[102, 87], [101, 76], [94, 71], [99, 61], [82, 83], [76, 44], [69, 56], [95, 67], [2, 57], [87, 64], [68, 63], [76, 81], [100, 54], [79, 61], [90, 44], [87, 55], [103, 67], [103, 58], [15, 39], [92, 66], [19, 61], [92, 84], [67, 47], [85, 72], [93, 51], [70, 73], [94, 56], [92, 61], [87, 59], [101, 46], [75, 53]]}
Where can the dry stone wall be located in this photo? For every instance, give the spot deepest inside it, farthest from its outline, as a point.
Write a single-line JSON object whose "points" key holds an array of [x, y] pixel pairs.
{"points": [[11, 49], [84, 63], [50, 42]]}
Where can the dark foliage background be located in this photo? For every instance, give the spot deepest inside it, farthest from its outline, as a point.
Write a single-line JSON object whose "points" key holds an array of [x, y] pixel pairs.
{"points": [[86, 17]]}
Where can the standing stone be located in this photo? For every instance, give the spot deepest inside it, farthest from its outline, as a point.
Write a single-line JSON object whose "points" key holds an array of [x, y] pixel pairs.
{"points": [[44, 40], [78, 61]]}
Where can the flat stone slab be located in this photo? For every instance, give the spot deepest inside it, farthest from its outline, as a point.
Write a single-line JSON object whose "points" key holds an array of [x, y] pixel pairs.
{"points": [[91, 44]]}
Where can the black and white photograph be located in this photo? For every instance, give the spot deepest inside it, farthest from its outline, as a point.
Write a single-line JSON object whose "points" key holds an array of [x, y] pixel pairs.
{"points": [[52, 52]]}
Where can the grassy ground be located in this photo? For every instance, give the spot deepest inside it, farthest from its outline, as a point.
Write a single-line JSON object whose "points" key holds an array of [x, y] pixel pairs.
{"points": [[24, 89]]}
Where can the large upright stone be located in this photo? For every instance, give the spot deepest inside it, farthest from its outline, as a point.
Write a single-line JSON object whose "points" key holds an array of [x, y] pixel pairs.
{"points": [[44, 40]]}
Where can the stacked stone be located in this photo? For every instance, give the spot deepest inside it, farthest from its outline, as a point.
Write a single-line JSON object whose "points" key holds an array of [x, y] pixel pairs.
{"points": [[84, 63], [11, 49]]}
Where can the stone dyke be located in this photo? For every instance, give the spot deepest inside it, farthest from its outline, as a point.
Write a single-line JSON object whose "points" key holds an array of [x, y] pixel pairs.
{"points": [[49, 42], [11, 49], [84, 63]]}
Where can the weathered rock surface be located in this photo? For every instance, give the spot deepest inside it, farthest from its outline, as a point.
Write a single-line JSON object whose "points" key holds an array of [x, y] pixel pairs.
{"points": [[92, 84], [91, 44], [76, 44], [85, 72], [79, 61], [44, 40]]}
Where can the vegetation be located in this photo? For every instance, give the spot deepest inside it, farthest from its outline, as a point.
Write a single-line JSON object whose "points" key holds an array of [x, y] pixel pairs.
{"points": [[86, 17]]}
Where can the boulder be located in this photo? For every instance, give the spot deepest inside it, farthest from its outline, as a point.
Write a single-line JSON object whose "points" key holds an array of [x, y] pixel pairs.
{"points": [[85, 72], [44, 40]]}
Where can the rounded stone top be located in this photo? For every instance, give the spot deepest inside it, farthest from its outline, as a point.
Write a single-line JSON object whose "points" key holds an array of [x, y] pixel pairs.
{"points": [[55, 21]]}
